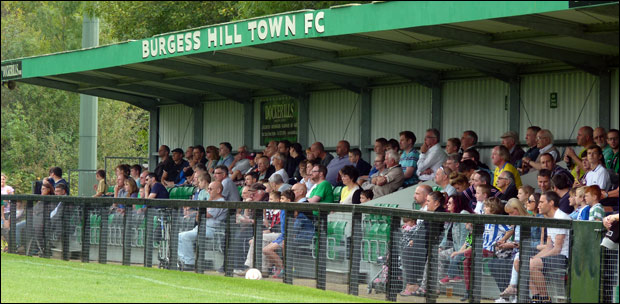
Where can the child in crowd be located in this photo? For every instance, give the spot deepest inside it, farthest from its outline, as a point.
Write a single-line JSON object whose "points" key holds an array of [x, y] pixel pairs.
{"points": [[524, 194], [483, 193], [593, 195], [366, 195], [101, 185], [583, 208], [572, 201]]}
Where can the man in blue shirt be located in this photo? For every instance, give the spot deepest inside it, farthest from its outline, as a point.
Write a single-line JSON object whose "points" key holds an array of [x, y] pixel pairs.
{"points": [[409, 158]]}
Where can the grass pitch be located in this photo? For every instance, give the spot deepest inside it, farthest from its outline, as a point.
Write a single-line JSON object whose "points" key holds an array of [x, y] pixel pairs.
{"points": [[29, 279]]}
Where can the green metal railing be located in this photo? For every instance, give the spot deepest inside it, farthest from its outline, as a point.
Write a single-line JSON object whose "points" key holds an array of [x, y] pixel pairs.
{"points": [[583, 270]]}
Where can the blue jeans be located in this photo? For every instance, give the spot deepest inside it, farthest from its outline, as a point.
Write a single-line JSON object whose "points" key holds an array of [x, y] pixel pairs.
{"points": [[186, 244], [453, 270]]}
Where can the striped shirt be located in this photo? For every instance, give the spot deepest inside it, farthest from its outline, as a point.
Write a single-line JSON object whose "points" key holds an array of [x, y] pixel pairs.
{"points": [[492, 233]]}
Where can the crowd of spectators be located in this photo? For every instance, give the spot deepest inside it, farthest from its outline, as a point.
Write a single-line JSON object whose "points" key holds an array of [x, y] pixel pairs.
{"points": [[586, 189]]}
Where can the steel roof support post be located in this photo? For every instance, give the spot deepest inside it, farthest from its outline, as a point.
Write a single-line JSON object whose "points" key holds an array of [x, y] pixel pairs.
{"points": [[248, 124], [604, 99], [153, 138], [199, 110], [365, 123], [514, 105], [303, 137], [436, 106], [88, 118]]}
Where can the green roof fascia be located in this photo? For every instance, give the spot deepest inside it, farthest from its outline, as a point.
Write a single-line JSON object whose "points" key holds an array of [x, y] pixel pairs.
{"points": [[380, 16]]}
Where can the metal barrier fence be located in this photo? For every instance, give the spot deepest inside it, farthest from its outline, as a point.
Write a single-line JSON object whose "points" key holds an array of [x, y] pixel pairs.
{"points": [[360, 250]]}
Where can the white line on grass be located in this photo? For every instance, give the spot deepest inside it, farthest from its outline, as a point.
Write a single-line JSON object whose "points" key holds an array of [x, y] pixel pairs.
{"points": [[151, 280]]}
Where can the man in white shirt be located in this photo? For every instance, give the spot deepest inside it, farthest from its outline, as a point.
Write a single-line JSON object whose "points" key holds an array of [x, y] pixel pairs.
{"points": [[554, 254], [431, 157], [442, 179], [599, 176]]}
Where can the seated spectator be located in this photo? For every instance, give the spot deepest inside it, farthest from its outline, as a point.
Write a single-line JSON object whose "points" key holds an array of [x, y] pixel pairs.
{"points": [[309, 155], [510, 140], [555, 252], [473, 154], [452, 161], [355, 158], [546, 162], [297, 156], [414, 255], [409, 158], [573, 161], [270, 150], [577, 201], [366, 196], [154, 189], [226, 157], [135, 172], [165, 164], [270, 228], [350, 191], [264, 169], [300, 192], [172, 174], [214, 216], [478, 178], [524, 194], [341, 160], [284, 147], [319, 153], [453, 145], [279, 164], [131, 189], [322, 192], [561, 186], [379, 166], [229, 189], [459, 205], [443, 180], [459, 182], [506, 184], [212, 157], [101, 185], [249, 179], [307, 179], [544, 180], [278, 184], [483, 193], [55, 177], [468, 167], [198, 154], [532, 151], [189, 153], [431, 157], [600, 138], [592, 198], [613, 139], [240, 164], [544, 143], [390, 179], [381, 145], [393, 145], [599, 175], [501, 157], [532, 208], [469, 140], [492, 234]]}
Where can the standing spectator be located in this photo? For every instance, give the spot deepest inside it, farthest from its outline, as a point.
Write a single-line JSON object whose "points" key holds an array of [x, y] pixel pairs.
{"points": [[419, 196], [585, 138], [532, 151], [229, 189], [501, 157], [355, 158], [599, 175], [469, 140], [226, 157], [319, 152], [165, 164], [431, 157], [443, 180], [409, 158], [554, 255], [6, 190], [341, 160], [101, 185], [453, 145], [510, 140], [56, 178], [613, 139], [592, 198]]}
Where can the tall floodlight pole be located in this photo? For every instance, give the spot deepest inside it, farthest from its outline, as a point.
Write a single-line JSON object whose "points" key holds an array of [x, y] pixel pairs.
{"points": [[88, 118]]}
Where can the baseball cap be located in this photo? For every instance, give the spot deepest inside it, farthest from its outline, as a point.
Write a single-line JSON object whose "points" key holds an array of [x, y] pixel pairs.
{"points": [[178, 150], [512, 134]]}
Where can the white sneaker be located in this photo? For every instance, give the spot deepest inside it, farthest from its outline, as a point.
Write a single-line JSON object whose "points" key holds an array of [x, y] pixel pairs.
{"points": [[501, 300]]}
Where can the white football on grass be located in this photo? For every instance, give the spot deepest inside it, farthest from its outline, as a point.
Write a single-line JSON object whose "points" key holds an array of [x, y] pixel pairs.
{"points": [[253, 274]]}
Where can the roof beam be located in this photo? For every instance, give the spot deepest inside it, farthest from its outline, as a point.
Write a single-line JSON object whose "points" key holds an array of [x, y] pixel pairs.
{"points": [[423, 77], [497, 69], [138, 101], [348, 82], [589, 63], [610, 10], [560, 27], [236, 94]]}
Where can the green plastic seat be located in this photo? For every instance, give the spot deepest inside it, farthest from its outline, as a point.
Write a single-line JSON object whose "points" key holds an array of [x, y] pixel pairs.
{"points": [[337, 192]]}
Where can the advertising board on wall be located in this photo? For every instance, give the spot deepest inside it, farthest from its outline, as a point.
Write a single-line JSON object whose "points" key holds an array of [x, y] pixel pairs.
{"points": [[278, 120]]}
